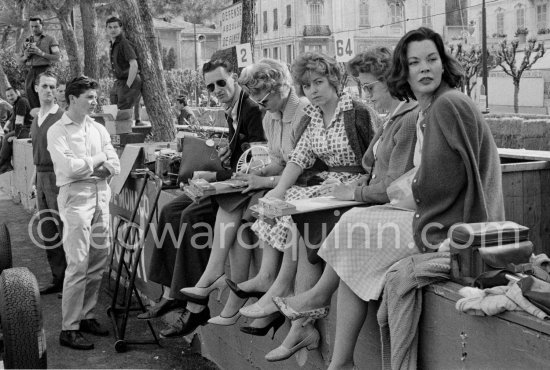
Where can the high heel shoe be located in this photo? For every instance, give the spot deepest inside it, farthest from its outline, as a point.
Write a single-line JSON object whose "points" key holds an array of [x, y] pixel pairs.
{"points": [[276, 323], [226, 321], [242, 293], [203, 293], [255, 311], [292, 314], [282, 353]]}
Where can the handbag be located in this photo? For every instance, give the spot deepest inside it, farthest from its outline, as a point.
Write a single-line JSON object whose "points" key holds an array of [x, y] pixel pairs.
{"points": [[481, 252], [400, 191], [196, 155]]}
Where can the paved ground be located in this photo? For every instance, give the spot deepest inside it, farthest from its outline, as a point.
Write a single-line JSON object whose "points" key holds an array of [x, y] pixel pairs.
{"points": [[173, 354]]}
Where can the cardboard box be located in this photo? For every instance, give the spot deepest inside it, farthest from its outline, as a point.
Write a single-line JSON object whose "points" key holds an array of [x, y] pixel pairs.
{"points": [[119, 127]]}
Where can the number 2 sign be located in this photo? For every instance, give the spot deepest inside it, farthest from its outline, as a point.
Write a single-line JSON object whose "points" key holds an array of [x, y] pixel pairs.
{"points": [[344, 46], [244, 55]]}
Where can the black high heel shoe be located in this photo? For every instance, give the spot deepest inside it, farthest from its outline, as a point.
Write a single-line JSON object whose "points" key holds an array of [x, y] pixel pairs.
{"points": [[275, 324], [241, 293]]}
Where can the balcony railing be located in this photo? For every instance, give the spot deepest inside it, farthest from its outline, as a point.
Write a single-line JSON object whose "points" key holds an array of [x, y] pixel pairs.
{"points": [[317, 30]]}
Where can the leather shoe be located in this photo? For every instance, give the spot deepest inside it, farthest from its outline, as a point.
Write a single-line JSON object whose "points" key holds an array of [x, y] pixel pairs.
{"points": [[75, 340], [92, 326], [163, 307], [52, 288], [186, 324]]}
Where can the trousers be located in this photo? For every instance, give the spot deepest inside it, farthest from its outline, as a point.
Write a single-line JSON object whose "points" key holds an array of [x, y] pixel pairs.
{"points": [[51, 227], [84, 210]]}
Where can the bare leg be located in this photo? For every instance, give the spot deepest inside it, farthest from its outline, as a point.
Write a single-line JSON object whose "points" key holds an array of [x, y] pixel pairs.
{"points": [[318, 296], [283, 284], [306, 277], [239, 260], [268, 270], [225, 232], [350, 316]]}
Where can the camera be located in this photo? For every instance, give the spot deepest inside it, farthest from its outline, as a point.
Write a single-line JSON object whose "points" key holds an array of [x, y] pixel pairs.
{"points": [[28, 42]]}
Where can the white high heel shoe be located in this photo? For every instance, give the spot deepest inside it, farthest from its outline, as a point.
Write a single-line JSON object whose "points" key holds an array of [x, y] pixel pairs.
{"points": [[282, 353], [198, 293], [226, 321]]}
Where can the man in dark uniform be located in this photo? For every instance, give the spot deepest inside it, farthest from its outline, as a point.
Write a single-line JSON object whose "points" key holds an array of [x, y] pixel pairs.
{"points": [[40, 52], [17, 127], [179, 266], [126, 90]]}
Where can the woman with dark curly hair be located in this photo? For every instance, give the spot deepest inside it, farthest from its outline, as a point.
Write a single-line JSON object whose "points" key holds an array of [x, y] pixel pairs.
{"points": [[337, 131], [458, 179]]}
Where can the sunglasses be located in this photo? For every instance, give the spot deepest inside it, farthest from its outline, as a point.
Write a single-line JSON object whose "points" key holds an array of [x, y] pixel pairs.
{"points": [[263, 101], [369, 86], [220, 83]]}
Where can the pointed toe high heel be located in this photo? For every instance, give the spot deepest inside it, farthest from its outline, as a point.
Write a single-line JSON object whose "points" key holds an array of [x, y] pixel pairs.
{"points": [[242, 293], [282, 353], [276, 323], [226, 321], [255, 311], [292, 314], [198, 293]]}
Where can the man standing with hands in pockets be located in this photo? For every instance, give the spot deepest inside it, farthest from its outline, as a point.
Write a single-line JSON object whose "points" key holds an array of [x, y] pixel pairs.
{"points": [[83, 159], [44, 179]]}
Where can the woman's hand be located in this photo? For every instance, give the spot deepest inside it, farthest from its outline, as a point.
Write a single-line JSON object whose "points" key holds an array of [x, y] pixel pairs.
{"points": [[344, 192], [327, 186], [275, 193], [253, 182]]}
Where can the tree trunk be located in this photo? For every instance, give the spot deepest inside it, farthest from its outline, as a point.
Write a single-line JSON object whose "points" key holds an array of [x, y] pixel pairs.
{"points": [[138, 22], [89, 23], [516, 96], [69, 37], [4, 83], [247, 30]]}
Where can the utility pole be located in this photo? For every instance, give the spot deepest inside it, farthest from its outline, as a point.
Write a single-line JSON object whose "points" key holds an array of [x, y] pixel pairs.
{"points": [[484, 54], [196, 62]]}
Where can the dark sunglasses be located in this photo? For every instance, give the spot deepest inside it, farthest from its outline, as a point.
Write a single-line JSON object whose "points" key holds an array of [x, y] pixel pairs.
{"points": [[220, 83]]}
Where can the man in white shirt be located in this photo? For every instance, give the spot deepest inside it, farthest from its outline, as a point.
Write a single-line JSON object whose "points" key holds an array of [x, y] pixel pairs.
{"points": [[43, 179], [83, 159]]}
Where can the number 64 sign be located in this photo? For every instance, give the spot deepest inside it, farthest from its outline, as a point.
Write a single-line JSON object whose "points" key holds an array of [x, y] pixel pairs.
{"points": [[344, 46]]}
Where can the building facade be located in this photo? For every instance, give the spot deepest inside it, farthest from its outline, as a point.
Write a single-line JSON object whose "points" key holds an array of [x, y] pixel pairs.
{"points": [[286, 28]]}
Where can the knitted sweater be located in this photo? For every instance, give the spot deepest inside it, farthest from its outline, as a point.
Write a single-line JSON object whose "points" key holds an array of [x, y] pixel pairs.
{"points": [[394, 155], [41, 155], [459, 178]]}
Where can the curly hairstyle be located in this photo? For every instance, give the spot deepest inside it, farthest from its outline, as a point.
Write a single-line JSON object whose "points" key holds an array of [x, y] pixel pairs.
{"points": [[314, 62], [397, 80], [376, 61], [266, 75]]}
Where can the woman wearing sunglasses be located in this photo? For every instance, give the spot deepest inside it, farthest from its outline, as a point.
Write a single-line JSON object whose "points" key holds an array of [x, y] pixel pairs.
{"points": [[389, 156], [336, 131], [269, 83]]}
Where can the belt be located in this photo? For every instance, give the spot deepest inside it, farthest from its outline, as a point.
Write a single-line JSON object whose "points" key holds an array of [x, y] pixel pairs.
{"points": [[350, 169]]}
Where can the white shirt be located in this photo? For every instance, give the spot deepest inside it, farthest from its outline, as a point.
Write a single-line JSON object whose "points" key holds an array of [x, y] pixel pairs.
{"points": [[72, 145], [42, 118]]}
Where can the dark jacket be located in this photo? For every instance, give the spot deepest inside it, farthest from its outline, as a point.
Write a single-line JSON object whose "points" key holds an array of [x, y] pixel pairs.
{"points": [[249, 130], [459, 177]]}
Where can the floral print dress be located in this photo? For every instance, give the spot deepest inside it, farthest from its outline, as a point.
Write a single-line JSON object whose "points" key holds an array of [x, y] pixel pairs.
{"points": [[331, 145]]}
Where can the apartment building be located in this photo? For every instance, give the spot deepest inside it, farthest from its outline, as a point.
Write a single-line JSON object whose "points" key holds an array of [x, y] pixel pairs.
{"points": [[286, 28]]}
